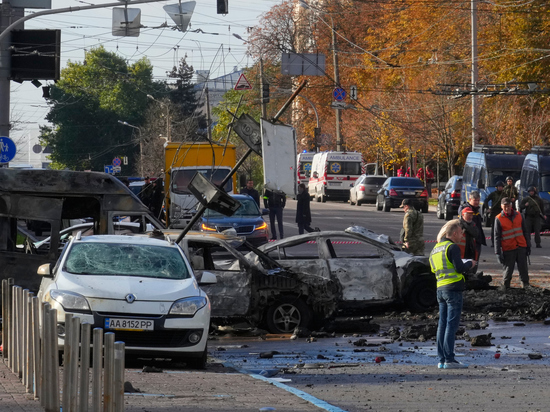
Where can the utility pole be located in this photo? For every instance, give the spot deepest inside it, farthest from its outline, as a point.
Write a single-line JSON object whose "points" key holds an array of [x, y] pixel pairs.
{"points": [[339, 142], [475, 114], [208, 118], [263, 103]]}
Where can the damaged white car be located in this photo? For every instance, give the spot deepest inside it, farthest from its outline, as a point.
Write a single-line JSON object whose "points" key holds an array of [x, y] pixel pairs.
{"points": [[369, 268]]}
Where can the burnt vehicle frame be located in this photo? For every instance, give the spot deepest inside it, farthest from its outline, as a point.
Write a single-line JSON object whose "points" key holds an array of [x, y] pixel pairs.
{"points": [[256, 288], [374, 273], [55, 197]]}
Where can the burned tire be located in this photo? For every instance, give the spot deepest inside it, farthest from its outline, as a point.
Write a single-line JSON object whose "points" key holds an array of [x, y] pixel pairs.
{"points": [[286, 314], [422, 295], [387, 205]]}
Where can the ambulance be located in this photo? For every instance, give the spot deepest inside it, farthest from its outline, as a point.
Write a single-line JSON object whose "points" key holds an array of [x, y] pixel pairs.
{"points": [[333, 173], [304, 167]]}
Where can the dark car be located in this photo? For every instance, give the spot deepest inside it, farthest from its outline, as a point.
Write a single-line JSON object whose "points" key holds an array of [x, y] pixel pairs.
{"points": [[247, 221], [396, 189], [449, 200]]}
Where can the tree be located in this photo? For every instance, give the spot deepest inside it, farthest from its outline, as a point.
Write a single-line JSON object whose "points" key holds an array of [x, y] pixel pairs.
{"points": [[86, 104]]}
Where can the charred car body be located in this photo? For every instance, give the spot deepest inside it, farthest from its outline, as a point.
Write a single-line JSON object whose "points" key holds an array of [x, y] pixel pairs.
{"points": [[55, 197]]}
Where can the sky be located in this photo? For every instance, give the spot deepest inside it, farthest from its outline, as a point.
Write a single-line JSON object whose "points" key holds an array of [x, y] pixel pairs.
{"points": [[213, 47]]}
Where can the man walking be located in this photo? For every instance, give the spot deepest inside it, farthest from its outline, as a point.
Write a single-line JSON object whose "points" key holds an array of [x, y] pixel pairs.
{"points": [[510, 190], [512, 244], [473, 203], [412, 234], [495, 198], [532, 208], [275, 202], [250, 191], [303, 211]]}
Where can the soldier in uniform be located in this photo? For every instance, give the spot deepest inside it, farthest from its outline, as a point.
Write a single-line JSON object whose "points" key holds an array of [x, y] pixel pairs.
{"points": [[412, 234], [510, 190], [532, 209]]}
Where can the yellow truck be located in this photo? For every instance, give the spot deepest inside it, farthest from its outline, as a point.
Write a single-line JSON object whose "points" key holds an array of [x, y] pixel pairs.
{"points": [[182, 161]]}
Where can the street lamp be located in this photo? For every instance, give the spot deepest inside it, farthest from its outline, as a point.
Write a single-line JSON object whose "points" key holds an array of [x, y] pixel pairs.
{"points": [[140, 144], [167, 115]]}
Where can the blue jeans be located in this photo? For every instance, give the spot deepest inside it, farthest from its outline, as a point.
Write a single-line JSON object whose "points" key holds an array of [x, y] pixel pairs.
{"points": [[450, 309]]}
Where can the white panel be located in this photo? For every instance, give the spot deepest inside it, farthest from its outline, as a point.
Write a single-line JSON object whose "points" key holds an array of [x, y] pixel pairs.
{"points": [[126, 22], [279, 157], [181, 13]]}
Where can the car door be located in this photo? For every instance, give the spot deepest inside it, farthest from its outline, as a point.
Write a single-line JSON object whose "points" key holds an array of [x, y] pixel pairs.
{"points": [[231, 295], [366, 272], [300, 256]]}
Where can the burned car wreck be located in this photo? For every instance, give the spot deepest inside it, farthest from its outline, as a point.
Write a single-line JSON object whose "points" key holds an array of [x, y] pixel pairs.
{"points": [[257, 288], [369, 269]]}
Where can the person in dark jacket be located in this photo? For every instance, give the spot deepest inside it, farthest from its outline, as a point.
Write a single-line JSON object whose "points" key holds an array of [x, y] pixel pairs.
{"points": [[303, 212], [275, 202], [157, 199], [473, 203], [495, 198], [532, 208], [468, 242], [250, 191]]}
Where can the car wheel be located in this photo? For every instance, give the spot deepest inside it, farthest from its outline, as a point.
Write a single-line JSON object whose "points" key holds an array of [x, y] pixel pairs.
{"points": [[439, 212], [447, 214], [197, 363], [317, 197], [387, 205], [351, 202], [286, 314], [422, 295], [426, 208], [358, 203], [323, 198], [378, 205]]}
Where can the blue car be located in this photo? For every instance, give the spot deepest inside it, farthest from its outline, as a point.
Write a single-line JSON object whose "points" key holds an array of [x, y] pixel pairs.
{"points": [[396, 189], [247, 221]]}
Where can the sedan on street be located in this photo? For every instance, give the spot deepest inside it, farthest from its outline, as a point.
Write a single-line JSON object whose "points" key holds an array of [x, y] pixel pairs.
{"points": [[142, 289], [365, 189], [396, 189]]}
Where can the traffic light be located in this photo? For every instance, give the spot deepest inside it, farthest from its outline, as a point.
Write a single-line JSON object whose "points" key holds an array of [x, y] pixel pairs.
{"points": [[265, 92], [222, 6]]}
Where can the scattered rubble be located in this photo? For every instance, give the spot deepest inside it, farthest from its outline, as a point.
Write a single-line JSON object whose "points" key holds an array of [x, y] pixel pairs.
{"points": [[481, 340]]}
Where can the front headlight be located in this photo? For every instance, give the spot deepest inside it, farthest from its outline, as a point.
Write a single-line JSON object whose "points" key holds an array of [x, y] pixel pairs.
{"points": [[188, 306], [261, 226], [204, 226], [70, 300]]}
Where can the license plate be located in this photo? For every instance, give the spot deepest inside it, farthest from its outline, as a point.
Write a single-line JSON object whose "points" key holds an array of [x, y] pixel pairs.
{"points": [[129, 324], [409, 193], [334, 183]]}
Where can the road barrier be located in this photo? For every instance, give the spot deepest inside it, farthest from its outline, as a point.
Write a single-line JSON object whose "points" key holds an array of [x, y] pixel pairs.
{"points": [[30, 350]]}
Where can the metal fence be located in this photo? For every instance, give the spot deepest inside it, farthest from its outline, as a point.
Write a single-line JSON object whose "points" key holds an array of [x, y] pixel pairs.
{"points": [[30, 350]]}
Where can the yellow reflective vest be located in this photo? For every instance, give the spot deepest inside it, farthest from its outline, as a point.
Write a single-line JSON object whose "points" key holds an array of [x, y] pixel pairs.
{"points": [[445, 272]]}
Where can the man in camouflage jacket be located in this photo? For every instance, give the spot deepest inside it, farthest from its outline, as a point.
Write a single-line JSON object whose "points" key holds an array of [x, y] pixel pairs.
{"points": [[412, 234]]}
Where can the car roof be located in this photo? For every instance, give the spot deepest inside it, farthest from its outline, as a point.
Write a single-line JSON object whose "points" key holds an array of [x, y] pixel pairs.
{"points": [[130, 240]]}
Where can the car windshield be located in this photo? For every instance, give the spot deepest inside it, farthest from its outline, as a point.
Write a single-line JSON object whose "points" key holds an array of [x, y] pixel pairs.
{"points": [[344, 168], [181, 179], [248, 208], [500, 175], [126, 260], [545, 183]]}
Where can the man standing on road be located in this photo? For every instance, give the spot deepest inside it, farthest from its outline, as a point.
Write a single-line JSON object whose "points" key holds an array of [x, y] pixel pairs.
{"points": [[473, 203], [512, 244], [275, 202], [495, 198], [532, 208], [412, 234], [467, 243], [146, 194], [510, 190], [448, 267], [250, 191], [303, 211]]}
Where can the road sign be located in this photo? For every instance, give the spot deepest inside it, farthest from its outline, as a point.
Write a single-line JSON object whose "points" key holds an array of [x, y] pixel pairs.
{"points": [[108, 169], [353, 92], [242, 83], [7, 149], [117, 161], [339, 94]]}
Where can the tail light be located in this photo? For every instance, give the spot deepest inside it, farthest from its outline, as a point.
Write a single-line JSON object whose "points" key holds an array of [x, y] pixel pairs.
{"points": [[455, 194], [393, 192], [361, 188], [424, 193]]}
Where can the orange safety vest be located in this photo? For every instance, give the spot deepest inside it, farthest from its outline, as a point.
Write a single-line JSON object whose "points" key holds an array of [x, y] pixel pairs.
{"points": [[512, 233]]}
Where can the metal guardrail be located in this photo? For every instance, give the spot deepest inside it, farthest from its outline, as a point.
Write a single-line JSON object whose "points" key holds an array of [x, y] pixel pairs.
{"points": [[30, 350]]}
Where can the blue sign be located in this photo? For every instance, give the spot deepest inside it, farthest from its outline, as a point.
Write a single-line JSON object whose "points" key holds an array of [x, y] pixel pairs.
{"points": [[7, 149], [108, 169], [339, 94], [117, 161]]}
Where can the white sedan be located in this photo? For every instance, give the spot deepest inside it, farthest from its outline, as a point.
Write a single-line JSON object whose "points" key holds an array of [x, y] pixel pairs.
{"points": [[140, 288]]}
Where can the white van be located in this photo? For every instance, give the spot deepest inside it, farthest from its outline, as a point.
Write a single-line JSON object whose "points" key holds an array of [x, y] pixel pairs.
{"points": [[333, 173], [304, 167]]}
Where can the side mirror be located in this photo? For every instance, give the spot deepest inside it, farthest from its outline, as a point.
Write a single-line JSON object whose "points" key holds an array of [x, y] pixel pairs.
{"points": [[44, 270], [207, 278], [315, 175], [265, 212]]}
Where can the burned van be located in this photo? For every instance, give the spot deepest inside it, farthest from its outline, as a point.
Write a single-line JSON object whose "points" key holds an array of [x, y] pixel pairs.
{"points": [[53, 200]]}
